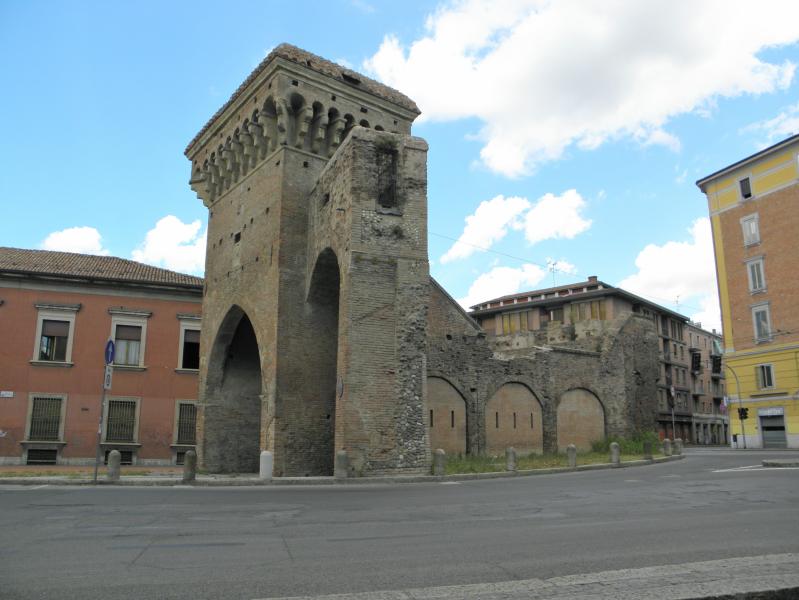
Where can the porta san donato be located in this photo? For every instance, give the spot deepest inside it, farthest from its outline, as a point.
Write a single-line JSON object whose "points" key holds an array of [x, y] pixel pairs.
{"points": [[322, 329]]}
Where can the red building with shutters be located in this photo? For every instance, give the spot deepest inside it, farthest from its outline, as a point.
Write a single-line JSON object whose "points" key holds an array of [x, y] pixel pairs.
{"points": [[57, 312]]}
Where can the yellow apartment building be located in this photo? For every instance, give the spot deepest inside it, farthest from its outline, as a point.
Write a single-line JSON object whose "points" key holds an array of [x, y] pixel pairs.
{"points": [[754, 211]]}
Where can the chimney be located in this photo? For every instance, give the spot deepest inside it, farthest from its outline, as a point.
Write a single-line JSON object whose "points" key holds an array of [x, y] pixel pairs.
{"points": [[592, 279]]}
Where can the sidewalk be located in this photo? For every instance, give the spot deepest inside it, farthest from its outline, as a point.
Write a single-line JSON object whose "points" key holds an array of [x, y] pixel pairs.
{"points": [[171, 476], [769, 577]]}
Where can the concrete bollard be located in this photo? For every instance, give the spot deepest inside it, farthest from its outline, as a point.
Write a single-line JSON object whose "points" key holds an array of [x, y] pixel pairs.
{"points": [[114, 460], [571, 454], [667, 447], [615, 454], [647, 449], [266, 466], [342, 465], [439, 462], [678, 447], [510, 459], [189, 466]]}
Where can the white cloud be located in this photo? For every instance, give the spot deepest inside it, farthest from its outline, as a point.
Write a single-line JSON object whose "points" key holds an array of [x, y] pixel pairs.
{"points": [[488, 224], [556, 217], [682, 272], [562, 266], [83, 240], [551, 217], [783, 125], [501, 281], [543, 75], [174, 245]]}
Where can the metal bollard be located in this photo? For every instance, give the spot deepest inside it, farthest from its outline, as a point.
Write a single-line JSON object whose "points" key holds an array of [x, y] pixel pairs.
{"points": [[189, 466], [571, 454], [266, 466], [510, 459], [647, 449], [342, 465], [439, 462], [615, 455], [667, 447], [678, 447], [114, 460]]}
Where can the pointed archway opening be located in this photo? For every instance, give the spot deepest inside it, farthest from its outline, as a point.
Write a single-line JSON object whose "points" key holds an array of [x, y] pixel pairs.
{"points": [[318, 427], [232, 405]]}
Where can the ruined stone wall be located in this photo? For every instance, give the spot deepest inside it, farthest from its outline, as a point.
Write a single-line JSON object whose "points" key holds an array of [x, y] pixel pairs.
{"points": [[620, 369], [370, 209]]}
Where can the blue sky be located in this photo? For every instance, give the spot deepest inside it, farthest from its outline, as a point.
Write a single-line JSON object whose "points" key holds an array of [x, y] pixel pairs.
{"points": [[567, 131]]}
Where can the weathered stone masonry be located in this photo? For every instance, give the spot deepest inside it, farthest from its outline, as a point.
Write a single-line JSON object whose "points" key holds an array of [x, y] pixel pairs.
{"points": [[315, 308], [321, 325], [619, 366]]}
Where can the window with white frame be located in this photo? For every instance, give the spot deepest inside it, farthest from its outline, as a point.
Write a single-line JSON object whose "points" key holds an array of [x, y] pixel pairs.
{"points": [[765, 376], [189, 344], [757, 275], [121, 420], [55, 328], [129, 332], [761, 320], [750, 225], [46, 417]]}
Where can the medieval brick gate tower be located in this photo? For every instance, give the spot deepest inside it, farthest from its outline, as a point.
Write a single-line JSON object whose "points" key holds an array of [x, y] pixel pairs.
{"points": [[317, 283]]}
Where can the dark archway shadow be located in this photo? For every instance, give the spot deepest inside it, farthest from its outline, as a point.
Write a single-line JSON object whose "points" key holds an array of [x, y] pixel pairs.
{"points": [[232, 406]]}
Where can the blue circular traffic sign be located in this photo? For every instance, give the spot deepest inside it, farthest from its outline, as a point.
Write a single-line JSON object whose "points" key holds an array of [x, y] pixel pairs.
{"points": [[109, 352]]}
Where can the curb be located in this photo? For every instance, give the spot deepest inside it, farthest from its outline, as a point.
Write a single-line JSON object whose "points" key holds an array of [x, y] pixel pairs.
{"points": [[780, 463], [164, 481]]}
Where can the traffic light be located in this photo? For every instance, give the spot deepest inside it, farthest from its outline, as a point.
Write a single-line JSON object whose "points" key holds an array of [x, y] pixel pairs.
{"points": [[743, 413]]}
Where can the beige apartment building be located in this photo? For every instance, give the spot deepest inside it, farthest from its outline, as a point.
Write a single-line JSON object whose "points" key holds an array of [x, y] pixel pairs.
{"points": [[710, 422], [689, 399]]}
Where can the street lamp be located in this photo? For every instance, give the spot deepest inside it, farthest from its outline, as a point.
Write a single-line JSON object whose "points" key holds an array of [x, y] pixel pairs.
{"points": [[740, 403]]}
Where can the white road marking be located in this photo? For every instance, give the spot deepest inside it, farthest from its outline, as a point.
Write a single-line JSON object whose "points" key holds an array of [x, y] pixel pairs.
{"points": [[450, 483], [754, 468]]}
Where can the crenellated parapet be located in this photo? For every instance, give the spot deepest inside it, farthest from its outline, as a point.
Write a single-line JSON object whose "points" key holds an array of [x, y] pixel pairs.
{"points": [[295, 100]]}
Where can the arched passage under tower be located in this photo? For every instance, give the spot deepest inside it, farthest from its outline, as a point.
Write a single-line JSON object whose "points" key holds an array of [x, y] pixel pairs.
{"points": [[232, 407]]}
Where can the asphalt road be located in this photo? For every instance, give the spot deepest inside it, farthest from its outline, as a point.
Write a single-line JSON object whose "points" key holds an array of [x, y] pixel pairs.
{"points": [[261, 542]]}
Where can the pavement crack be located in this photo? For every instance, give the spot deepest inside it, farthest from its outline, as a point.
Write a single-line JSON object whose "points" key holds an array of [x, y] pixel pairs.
{"points": [[286, 546]]}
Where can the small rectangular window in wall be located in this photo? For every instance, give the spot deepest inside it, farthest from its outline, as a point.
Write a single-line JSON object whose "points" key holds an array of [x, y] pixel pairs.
{"points": [[187, 423], [387, 178], [750, 226], [45, 424], [762, 323], [128, 345], [53, 344], [431, 417], [190, 358], [757, 278], [452, 419], [746, 188], [765, 376], [121, 421]]}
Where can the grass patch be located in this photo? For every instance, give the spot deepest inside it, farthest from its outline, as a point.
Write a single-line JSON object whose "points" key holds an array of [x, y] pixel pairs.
{"points": [[632, 445]]}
